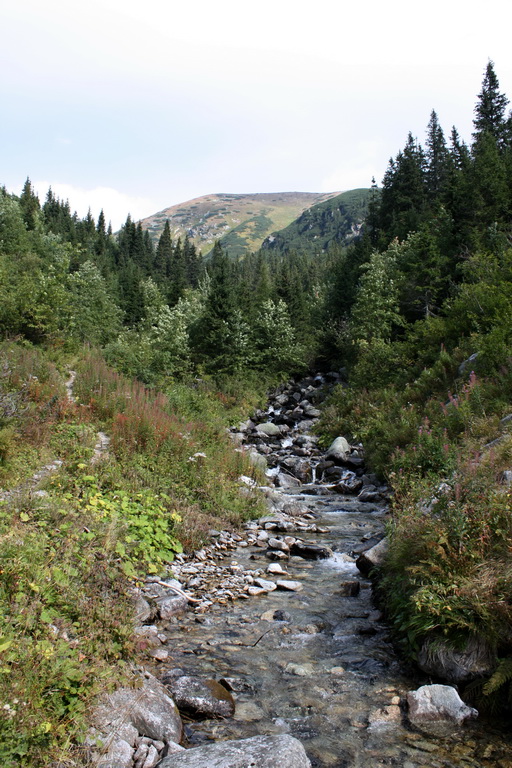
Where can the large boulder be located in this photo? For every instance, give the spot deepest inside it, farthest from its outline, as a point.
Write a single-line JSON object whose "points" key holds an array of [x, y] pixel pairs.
{"points": [[282, 751], [457, 665], [269, 429], [147, 710], [373, 558], [437, 708], [338, 450]]}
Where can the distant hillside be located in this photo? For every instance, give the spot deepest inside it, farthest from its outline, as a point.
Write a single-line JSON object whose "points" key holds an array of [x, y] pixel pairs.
{"points": [[337, 220], [241, 222]]}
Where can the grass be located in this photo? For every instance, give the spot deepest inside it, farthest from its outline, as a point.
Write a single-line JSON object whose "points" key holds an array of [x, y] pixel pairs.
{"points": [[69, 556]]}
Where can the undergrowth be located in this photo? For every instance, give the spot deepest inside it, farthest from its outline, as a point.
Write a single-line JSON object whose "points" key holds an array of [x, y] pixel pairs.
{"points": [[438, 441], [72, 546]]}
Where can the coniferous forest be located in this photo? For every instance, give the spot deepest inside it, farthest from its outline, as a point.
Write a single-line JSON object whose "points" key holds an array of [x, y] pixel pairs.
{"points": [[170, 346]]}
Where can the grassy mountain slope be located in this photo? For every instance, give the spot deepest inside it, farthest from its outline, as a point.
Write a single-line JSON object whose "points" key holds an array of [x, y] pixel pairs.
{"points": [[241, 222], [337, 220]]}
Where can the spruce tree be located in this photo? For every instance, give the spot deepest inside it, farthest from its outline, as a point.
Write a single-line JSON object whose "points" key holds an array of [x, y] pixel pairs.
{"points": [[436, 158], [214, 332], [163, 253], [30, 206], [490, 108]]}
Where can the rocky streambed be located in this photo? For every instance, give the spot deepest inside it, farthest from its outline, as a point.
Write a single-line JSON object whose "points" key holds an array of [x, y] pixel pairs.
{"points": [[272, 632]]}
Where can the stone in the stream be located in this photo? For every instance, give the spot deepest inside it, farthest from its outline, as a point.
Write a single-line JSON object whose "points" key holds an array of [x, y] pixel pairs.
{"points": [[265, 584], [373, 557], [255, 591], [350, 485], [281, 751], [338, 450], [201, 698], [310, 551], [300, 670], [289, 585], [369, 496], [278, 544], [147, 636], [276, 568], [159, 654], [286, 481], [437, 708], [350, 588], [385, 717], [269, 429], [171, 605]]}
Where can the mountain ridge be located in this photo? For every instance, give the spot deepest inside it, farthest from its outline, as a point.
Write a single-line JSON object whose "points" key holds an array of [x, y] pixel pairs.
{"points": [[241, 221]]}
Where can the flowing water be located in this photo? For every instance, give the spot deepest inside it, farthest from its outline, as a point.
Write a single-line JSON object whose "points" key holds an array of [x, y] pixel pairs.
{"points": [[318, 664]]}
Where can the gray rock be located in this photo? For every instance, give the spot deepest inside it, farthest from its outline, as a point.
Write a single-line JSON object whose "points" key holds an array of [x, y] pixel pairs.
{"points": [[201, 698], [374, 557], [276, 569], [372, 496], [258, 461], [278, 544], [338, 450], [119, 754], [436, 708], [287, 584], [439, 659], [350, 485], [310, 551], [506, 478], [350, 588], [148, 636], [148, 709], [281, 751], [142, 610], [268, 586], [171, 606], [269, 429], [286, 481]]}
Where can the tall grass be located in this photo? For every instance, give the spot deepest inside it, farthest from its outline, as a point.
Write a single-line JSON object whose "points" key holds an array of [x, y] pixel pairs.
{"points": [[173, 443]]}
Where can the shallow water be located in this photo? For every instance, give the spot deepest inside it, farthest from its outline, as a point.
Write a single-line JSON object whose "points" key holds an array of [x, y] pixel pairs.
{"points": [[328, 674]]}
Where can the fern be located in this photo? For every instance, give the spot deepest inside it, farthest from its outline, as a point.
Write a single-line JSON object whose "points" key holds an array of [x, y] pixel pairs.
{"points": [[500, 677]]}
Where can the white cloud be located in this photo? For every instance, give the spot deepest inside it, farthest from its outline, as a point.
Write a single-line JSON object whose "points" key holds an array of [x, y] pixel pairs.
{"points": [[116, 205]]}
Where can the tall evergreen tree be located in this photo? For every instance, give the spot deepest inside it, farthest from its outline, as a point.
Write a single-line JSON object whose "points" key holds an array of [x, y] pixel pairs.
{"points": [[490, 108], [163, 253], [30, 205], [436, 158], [215, 331]]}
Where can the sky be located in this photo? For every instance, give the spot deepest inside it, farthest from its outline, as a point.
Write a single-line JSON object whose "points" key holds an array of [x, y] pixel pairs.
{"points": [[136, 106]]}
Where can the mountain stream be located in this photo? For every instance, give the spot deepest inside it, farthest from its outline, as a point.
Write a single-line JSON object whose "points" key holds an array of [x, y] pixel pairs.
{"points": [[319, 663]]}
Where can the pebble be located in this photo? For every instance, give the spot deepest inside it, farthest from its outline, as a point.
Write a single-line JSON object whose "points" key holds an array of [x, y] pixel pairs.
{"points": [[276, 568]]}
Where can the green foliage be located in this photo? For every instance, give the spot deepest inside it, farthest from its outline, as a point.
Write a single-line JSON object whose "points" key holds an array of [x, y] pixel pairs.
{"points": [[145, 522], [335, 221]]}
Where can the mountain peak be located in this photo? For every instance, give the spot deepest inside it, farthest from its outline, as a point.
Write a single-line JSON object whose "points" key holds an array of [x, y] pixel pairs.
{"points": [[240, 221]]}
